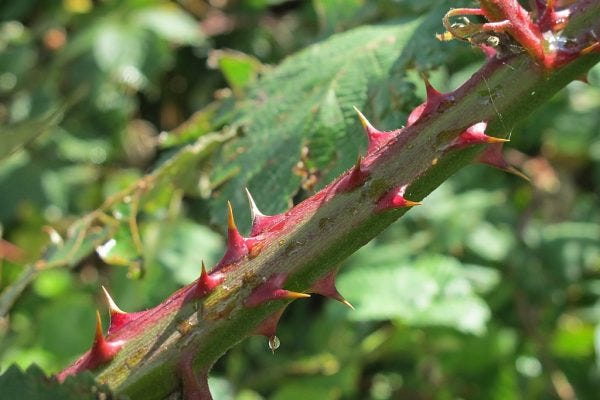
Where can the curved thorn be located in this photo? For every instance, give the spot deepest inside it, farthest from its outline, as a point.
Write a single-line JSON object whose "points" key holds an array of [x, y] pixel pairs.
{"points": [[254, 211], [395, 199], [236, 244], [431, 103], [268, 327], [364, 121], [272, 289], [492, 156], [112, 306], [474, 134], [325, 286], [102, 350], [99, 335], [230, 220], [294, 295], [375, 137], [207, 283]]}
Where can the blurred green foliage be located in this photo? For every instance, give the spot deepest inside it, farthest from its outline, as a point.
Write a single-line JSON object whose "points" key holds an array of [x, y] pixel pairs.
{"points": [[113, 116]]}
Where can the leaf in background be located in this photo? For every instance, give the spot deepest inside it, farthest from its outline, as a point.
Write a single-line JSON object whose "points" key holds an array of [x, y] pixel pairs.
{"points": [[340, 384], [298, 123], [82, 240], [119, 51], [239, 69], [121, 250], [185, 245], [490, 242], [171, 23], [220, 388], [34, 384], [306, 101], [200, 123], [573, 338], [449, 233], [571, 250], [17, 135], [333, 14], [433, 291]]}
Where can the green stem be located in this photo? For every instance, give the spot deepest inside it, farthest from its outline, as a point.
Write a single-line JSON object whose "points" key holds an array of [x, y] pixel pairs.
{"points": [[502, 92]]}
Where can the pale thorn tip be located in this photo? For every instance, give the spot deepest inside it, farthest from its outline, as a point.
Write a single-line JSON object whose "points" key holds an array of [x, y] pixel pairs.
{"points": [[99, 333], [493, 139], [409, 203], [358, 162], [230, 221], [254, 210], [296, 295], [112, 306], [512, 170], [364, 121], [347, 303]]}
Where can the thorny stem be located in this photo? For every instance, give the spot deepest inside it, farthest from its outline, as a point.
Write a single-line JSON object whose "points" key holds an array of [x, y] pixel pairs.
{"points": [[328, 227], [518, 84]]}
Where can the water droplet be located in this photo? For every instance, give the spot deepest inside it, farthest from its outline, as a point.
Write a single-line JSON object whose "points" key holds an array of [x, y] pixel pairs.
{"points": [[274, 343]]}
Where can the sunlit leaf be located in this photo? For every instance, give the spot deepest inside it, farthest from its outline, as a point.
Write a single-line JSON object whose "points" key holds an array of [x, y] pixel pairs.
{"points": [[170, 23], [306, 101], [239, 69], [432, 291]]}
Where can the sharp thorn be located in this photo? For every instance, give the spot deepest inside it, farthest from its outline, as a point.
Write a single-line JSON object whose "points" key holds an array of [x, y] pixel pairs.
{"points": [[346, 303], [254, 211], [364, 121], [112, 306], [295, 295], [230, 220]]}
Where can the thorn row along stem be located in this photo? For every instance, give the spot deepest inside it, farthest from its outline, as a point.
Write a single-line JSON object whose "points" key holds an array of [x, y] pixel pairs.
{"points": [[152, 353]]}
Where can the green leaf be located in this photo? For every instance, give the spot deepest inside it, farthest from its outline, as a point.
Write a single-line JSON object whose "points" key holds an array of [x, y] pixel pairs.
{"points": [[325, 387], [573, 338], [118, 46], [490, 242], [571, 249], [299, 128], [433, 291], [53, 283], [120, 249], [201, 123], [306, 102], [14, 137], [239, 69], [170, 23], [220, 388], [334, 13], [185, 246], [34, 384], [82, 240]]}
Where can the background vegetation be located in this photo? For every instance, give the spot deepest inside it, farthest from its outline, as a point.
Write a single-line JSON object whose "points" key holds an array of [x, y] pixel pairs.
{"points": [[491, 289]]}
